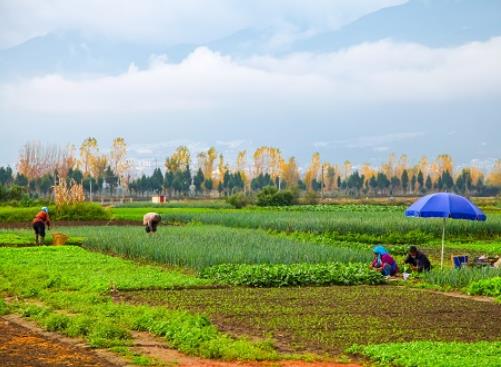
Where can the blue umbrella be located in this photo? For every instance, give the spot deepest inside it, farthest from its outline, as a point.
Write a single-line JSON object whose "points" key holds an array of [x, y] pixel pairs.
{"points": [[445, 205]]}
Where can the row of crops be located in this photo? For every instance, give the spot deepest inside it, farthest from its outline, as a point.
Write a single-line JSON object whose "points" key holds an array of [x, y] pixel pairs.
{"points": [[199, 247], [389, 225]]}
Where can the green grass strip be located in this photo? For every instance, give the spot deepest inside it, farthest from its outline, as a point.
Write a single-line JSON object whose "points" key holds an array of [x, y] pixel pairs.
{"points": [[433, 354]]}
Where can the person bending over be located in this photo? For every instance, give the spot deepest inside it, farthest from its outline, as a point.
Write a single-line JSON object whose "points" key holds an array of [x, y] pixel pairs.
{"points": [[151, 221], [383, 262], [41, 220], [417, 260]]}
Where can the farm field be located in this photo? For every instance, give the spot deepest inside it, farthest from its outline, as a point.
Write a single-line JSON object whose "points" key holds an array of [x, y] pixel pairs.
{"points": [[258, 284], [369, 223], [200, 246], [328, 320], [250, 184]]}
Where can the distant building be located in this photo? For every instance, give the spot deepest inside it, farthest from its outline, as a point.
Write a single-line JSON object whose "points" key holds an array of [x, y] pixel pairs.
{"points": [[158, 199]]}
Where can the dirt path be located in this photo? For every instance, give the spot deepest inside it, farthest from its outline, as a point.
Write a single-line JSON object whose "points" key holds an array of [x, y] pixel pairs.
{"points": [[24, 346], [456, 294]]}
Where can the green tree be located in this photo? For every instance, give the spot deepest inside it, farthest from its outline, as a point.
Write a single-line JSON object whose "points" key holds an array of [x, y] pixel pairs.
{"points": [[6, 176], [420, 181], [404, 179], [198, 180], [428, 184]]}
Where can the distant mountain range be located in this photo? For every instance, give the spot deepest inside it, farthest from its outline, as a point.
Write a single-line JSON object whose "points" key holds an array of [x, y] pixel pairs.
{"points": [[434, 23]]}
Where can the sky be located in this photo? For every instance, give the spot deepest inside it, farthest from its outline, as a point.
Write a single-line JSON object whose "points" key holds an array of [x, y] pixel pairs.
{"points": [[359, 103]]}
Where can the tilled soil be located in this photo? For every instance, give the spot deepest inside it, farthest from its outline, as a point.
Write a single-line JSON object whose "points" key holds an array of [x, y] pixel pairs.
{"points": [[330, 319], [75, 223], [20, 346]]}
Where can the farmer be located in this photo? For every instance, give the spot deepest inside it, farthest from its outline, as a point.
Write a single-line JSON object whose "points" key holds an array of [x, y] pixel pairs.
{"points": [[41, 219], [151, 220], [383, 262], [417, 260]]}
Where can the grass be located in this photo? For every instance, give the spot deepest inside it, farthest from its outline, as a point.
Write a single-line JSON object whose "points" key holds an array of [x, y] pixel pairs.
{"points": [[24, 237], [69, 290], [203, 246], [330, 319], [433, 354]]}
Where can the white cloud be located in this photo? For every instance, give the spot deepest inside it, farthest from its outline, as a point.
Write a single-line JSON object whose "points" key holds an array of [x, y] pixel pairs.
{"points": [[375, 141], [381, 72], [169, 21], [321, 144], [231, 144]]}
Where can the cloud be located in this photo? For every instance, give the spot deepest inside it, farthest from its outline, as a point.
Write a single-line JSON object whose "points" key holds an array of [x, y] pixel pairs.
{"points": [[321, 144], [381, 72], [375, 142], [231, 144], [169, 22]]}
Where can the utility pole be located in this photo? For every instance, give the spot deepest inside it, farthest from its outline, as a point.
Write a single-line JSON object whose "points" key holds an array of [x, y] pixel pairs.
{"points": [[90, 187], [322, 181]]}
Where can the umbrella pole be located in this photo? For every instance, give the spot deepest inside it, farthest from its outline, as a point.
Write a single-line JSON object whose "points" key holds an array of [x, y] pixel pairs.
{"points": [[443, 244]]}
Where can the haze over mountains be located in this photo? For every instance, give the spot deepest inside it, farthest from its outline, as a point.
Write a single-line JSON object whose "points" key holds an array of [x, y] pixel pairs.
{"points": [[433, 23], [419, 77]]}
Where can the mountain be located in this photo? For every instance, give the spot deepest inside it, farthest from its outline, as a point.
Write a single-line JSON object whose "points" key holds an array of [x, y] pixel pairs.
{"points": [[435, 23]]}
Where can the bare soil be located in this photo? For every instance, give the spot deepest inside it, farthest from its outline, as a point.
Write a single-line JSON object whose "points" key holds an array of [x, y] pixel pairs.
{"points": [[75, 223], [22, 346]]}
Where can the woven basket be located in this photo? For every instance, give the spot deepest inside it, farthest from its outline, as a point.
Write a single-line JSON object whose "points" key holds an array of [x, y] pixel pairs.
{"points": [[59, 239]]}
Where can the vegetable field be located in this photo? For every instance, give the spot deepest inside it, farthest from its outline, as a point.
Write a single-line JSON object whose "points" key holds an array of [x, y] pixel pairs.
{"points": [[378, 223], [256, 284], [202, 246]]}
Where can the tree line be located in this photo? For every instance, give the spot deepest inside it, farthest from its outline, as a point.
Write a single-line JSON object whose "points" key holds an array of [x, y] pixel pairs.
{"points": [[40, 167]]}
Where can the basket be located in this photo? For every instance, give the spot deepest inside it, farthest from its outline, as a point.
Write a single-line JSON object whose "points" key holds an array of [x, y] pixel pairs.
{"points": [[59, 239]]}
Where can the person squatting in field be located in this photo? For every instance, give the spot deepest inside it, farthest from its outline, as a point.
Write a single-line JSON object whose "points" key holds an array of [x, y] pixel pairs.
{"points": [[383, 262], [151, 221], [39, 222], [417, 260]]}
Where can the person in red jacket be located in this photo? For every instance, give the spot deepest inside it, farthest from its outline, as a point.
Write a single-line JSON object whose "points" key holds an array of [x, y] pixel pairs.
{"points": [[41, 220]]}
